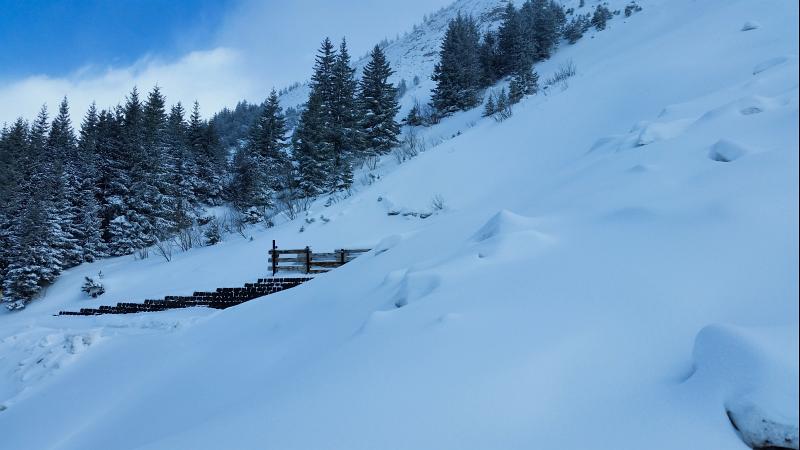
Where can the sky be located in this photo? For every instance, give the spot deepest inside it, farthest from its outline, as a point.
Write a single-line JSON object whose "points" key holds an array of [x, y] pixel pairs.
{"points": [[215, 51]]}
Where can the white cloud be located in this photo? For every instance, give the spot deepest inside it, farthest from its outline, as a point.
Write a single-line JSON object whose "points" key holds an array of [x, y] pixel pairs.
{"points": [[215, 78], [261, 44]]}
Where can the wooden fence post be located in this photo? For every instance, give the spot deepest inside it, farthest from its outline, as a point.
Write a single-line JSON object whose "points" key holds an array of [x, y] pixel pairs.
{"points": [[274, 258], [308, 260]]}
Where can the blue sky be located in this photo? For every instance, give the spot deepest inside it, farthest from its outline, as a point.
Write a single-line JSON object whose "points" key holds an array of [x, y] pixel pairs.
{"points": [[57, 37], [215, 51]]}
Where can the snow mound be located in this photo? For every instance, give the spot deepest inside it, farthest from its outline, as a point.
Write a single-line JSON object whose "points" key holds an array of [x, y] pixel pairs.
{"points": [[651, 132], [751, 25], [745, 106], [727, 151], [504, 222], [415, 286], [757, 376], [770, 63], [507, 236]]}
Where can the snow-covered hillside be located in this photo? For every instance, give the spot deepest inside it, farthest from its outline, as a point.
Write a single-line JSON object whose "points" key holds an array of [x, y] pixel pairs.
{"points": [[416, 52], [615, 267]]}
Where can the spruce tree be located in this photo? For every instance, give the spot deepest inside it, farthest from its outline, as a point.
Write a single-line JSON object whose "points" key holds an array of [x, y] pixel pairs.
{"points": [[345, 138], [458, 72], [310, 150], [510, 41], [130, 228], [542, 22], [261, 168], [209, 156], [182, 168], [88, 209], [489, 59], [378, 104], [414, 117], [312, 140], [523, 82], [65, 189], [490, 107]]}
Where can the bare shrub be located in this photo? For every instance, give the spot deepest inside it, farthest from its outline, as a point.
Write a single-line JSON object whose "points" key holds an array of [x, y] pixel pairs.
{"points": [[437, 203], [564, 72], [372, 161], [367, 179], [164, 248], [142, 253], [189, 238]]}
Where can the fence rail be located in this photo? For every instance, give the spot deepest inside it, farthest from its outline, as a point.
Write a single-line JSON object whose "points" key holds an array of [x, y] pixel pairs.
{"points": [[306, 261]]}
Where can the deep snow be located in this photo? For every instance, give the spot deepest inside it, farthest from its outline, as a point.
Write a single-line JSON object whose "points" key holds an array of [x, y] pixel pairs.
{"points": [[616, 267]]}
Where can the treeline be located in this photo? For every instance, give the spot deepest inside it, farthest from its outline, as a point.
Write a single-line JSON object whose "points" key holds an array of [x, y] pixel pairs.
{"points": [[139, 175], [470, 62], [134, 175]]}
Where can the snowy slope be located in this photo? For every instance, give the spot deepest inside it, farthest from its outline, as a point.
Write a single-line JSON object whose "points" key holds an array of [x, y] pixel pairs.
{"points": [[417, 51], [616, 268]]}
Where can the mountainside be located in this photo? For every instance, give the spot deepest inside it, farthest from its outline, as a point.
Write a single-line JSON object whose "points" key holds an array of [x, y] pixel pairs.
{"points": [[415, 53], [614, 266]]}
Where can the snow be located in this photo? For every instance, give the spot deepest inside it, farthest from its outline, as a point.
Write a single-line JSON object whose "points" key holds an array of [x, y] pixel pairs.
{"points": [[755, 377], [578, 289]]}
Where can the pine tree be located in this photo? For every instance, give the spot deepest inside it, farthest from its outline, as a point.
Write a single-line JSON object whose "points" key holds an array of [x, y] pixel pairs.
{"points": [[503, 107], [65, 188], [542, 21], [312, 140], [261, 168], [378, 104], [490, 107], [37, 243], [209, 156], [510, 41], [524, 82], [458, 72], [182, 168], [88, 209], [344, 128], [574, 30], [490, 59], [113, 173], [310, 150], [414, 117], [130, 228], [155, 195], [601, 15], [34, 261], [15, 176]]}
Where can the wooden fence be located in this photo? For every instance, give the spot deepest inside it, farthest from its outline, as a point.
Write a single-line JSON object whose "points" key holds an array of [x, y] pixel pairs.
{"points": [[306, 261]]}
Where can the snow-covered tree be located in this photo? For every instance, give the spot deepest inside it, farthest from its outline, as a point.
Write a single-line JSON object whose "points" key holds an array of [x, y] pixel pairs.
{"points": [[378, 104], [458, 72]]}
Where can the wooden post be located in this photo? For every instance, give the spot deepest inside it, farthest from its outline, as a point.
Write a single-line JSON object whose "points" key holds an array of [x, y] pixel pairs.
{"points": [[274, 258], [308, 260]]}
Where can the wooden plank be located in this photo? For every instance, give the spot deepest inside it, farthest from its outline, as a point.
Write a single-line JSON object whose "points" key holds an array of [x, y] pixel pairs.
{"points": [[302, 259], [297, 259], [292, 269], [298, 252], [326, 263], [324, 255]]}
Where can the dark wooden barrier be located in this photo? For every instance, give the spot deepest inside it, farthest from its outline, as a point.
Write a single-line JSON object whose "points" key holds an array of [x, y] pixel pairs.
{"points": [[302, 261], [220, 299], [305, 261]]}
